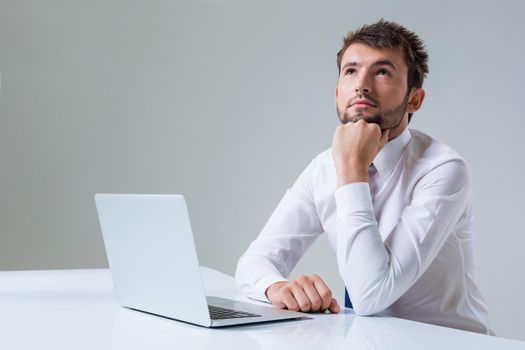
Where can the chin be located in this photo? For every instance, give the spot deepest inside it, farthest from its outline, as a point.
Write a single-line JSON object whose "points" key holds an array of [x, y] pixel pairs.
{"points": [[375, 119]]}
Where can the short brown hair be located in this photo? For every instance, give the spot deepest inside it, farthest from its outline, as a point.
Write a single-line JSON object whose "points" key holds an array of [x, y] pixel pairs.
{"points": [[385, 34]]}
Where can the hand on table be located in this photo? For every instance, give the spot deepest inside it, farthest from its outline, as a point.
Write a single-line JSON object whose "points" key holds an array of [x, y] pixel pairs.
{"points": [[305, 294]]}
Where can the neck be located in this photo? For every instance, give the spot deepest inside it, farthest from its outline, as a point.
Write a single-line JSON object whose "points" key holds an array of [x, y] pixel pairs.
{"points": [[398, 130]]}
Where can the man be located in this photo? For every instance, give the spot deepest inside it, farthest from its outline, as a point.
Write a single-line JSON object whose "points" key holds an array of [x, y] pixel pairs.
{"points": [[394, 203]]}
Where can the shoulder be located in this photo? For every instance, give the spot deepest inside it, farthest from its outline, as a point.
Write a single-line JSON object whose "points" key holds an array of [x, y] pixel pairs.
{"points": [[423, 150], [433, 162], [324, 158], [427, 152], [317, 171]]}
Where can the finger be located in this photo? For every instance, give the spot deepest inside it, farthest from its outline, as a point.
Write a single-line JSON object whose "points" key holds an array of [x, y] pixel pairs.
{"points": [[312, 294], [301, 298], [279, 304], [286, 297], [334, 307], [324, 292], [273, 289]]}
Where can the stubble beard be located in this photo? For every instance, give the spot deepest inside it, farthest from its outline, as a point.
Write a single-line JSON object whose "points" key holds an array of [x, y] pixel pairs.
{"points": [[389, 119]]}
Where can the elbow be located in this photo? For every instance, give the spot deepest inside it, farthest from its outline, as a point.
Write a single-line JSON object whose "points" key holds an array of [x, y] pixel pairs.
{"points": [[370, 293], [363, 307], [367, 305]]}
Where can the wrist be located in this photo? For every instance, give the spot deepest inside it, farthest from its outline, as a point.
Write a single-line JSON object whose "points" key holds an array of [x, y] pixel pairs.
{"points": [[350, 179], [347, 174]]}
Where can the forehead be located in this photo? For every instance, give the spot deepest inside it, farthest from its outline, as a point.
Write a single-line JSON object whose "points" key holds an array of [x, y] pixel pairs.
{"points": [[365, 55]]}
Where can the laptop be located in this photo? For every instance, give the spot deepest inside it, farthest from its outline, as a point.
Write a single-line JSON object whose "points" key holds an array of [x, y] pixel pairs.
{"points": [[154, 265]]}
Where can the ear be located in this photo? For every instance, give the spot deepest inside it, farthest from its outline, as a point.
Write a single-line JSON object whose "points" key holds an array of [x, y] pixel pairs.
{"points": [[417, 95]]}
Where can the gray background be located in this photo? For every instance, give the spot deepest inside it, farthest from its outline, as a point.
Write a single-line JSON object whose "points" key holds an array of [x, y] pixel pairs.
{"points": [[226, 102]]}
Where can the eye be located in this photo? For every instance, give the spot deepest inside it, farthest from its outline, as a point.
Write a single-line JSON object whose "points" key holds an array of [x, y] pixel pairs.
{"points": [[349, 71], [383, 72]]}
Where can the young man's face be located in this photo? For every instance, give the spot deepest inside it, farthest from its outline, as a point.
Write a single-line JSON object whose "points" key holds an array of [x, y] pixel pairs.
{"points": [[372, 86]]}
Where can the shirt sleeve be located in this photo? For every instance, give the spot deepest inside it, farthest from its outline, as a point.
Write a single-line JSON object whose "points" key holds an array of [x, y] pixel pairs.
{"points": [[290, 230], [377, 272]]}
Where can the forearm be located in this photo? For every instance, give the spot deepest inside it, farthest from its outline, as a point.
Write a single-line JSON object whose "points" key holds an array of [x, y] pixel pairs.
{"points": [[363, 260], [290, 230], [378, 268]]}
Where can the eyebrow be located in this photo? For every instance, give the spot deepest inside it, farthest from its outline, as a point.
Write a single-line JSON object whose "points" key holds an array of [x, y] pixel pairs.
{"points": [[376, 63]]}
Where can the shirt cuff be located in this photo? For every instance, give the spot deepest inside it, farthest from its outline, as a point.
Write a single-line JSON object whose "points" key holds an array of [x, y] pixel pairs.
{"points": [[353, 198], [263, 284]]}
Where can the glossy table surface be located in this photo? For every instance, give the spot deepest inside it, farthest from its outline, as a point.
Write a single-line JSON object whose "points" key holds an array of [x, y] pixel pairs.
{"points": [[77, 309]]}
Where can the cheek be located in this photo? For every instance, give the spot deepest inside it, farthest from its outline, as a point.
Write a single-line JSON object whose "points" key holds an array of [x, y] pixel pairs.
{"points": [[393, 95], [340, 101], [342, 94]]}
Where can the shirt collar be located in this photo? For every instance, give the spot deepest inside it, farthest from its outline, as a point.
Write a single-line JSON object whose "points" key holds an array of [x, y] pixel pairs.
{"points": [[386, 160]]}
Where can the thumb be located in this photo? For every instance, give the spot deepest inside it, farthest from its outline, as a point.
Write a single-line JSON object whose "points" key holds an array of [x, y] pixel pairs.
{"points": [[334, 307]]}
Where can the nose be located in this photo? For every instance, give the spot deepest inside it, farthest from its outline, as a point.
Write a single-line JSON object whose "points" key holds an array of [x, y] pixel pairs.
{"points": [[362, 85]]}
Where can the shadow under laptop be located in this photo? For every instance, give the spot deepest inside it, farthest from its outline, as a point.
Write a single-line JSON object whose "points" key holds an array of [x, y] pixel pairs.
{"points": [[135, 329]]}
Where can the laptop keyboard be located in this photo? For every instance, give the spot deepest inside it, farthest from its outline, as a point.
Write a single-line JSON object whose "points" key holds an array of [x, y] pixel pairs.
{"points": [[221, 313]]}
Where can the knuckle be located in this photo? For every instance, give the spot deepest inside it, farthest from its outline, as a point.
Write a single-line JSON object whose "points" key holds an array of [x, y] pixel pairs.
{"points": [[302, 279], [283, 293], [304, 306], [326, 294]]}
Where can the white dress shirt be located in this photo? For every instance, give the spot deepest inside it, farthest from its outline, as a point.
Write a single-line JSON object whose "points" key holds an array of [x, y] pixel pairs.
{"points": [[403, 241]]}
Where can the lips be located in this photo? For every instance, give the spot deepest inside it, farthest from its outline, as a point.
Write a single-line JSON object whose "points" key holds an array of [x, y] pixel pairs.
{"points": [[362, 103]]}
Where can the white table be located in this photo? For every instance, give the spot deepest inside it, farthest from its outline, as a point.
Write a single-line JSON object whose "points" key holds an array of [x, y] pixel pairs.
{"points": [[77, 309]]}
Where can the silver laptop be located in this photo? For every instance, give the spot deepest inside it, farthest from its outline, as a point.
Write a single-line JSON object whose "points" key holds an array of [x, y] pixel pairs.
{"points": [[154, 265]]}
